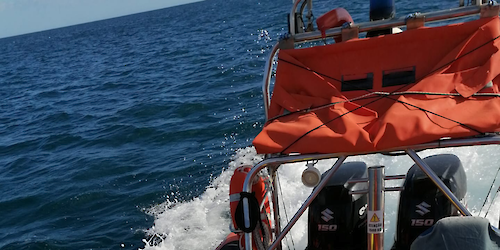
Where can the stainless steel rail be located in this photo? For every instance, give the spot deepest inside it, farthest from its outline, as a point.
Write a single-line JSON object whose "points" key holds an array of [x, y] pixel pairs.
{"points": [[475, 141], [363, 27], [247, 185], [305, 205], [274, 194], [291, 22], [376, 208], [387, 178], [276, 161], [391, 23], [267, 80]]}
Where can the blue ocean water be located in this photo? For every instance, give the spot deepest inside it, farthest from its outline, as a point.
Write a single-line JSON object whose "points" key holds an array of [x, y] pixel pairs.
{"points": [[102, 122]]}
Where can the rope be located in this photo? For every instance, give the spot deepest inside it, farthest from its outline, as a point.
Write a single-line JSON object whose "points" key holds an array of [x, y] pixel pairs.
{"points": [[284, 208], [324, 123], [492, 202], [488, 195], [384, 96], [371, 94], [438, 115]]}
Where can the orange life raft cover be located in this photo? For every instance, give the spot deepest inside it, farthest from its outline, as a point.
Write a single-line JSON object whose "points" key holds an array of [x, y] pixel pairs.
{"points": [[378, 93]]}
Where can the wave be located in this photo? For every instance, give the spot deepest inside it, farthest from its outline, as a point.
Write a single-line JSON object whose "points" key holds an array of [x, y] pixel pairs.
{"points": [[203, 222]]}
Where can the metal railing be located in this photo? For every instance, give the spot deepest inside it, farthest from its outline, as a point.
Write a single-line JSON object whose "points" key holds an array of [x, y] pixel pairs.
{"points": [[275, 162], [410, 150], [485, 10], [392, 23], [267, 80]]}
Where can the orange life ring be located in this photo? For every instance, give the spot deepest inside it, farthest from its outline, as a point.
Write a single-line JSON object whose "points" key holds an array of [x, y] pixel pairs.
{"points": [[332, 19], [260, 189], [231, 242]]}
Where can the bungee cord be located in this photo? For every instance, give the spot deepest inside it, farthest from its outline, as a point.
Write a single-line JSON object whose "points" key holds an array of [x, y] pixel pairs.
{"points": [[488, 195], [381, 96], [380, 93], [284, 208]]}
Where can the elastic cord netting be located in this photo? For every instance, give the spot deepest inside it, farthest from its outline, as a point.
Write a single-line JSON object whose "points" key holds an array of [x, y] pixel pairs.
{"points": [[381, 97]]}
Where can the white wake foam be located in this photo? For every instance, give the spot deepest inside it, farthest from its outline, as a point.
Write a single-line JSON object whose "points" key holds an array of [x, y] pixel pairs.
{"points": [[202, 223]]}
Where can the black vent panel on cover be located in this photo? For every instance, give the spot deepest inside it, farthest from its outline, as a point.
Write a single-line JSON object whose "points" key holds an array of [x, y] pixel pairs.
{"points": [[357, 82], [397, 77]]}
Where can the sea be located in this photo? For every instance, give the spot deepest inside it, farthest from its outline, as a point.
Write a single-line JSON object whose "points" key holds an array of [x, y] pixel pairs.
{"points": [[123, 133]]}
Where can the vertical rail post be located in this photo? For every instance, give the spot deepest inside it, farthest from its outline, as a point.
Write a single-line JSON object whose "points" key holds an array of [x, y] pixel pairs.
{"points": [[267, 80], [277, 226], [376, 206]]}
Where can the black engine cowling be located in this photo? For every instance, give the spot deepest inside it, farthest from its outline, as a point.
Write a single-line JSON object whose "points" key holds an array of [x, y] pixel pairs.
{"points": [[337, 219], [422, 204]]}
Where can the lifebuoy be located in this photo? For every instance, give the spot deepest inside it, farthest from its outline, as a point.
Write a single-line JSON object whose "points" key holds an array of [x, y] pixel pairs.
{"points": [[232, 242], [262, 233], [332, 19]]}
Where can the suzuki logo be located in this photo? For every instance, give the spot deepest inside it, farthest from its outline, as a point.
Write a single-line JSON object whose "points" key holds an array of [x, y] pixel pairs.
{"points": [[362, 210], [327, 215], [423, 208]]}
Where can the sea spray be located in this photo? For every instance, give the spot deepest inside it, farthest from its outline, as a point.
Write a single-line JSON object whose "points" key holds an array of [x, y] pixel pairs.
{"points": [[203, 222]]}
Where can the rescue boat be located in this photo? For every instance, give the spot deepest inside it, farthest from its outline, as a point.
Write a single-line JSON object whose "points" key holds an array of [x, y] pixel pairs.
{"points": [[394, 85]]}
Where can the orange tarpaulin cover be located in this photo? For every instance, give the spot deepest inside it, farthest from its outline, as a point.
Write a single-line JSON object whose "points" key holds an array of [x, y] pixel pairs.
{"points": [[379, 93]]}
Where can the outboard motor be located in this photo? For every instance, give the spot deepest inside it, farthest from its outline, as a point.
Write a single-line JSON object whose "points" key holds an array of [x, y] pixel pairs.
{"points": [[422, 204], [337, 219]]}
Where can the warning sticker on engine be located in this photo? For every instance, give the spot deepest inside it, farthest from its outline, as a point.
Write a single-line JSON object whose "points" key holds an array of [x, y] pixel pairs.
{"points": [[375, 222]]}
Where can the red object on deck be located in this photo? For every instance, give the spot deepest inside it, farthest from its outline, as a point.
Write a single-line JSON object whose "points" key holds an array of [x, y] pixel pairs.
{"points": [[236, 186], [439, 74], [332, 19], [234, 240]]}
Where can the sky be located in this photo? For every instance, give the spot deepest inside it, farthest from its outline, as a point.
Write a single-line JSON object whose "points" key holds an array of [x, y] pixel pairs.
{"points": [[26, 16]]}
